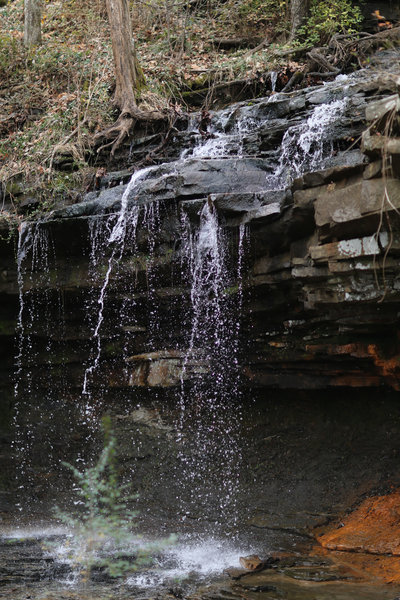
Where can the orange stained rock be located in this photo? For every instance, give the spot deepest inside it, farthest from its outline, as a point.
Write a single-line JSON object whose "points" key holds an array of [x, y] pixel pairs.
{"points": [[373, 528], [389, 366]]}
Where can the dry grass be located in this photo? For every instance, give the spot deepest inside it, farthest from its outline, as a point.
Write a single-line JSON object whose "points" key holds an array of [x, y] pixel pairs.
{"points": [[56, 97]]}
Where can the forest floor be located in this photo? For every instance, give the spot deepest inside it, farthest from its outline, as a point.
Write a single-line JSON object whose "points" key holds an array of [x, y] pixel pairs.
{"points": [[56, 96], [66, 84]]}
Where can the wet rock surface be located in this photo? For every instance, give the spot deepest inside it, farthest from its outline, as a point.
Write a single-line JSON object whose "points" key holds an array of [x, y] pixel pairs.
{"points": [[315, 250], [371, 528], [28, 571], [317, 342]]}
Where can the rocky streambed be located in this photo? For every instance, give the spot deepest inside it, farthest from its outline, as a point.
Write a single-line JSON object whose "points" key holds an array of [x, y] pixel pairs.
{"points": [[27, 570]]}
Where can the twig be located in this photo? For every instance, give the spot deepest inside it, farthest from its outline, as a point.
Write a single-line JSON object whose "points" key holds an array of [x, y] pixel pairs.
{"points": [[321, 75], [316, 56], [65, 141], [291, 51], [260, 46]]}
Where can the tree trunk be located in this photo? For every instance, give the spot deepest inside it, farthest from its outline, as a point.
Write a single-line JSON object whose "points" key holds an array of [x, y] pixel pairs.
{"points": [[32, 23], [128, 74], [128, 78], [298, 13]]}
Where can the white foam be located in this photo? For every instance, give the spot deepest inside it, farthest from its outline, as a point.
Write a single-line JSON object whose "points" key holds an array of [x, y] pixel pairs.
{"points": [[32, 532], [203, 559]]}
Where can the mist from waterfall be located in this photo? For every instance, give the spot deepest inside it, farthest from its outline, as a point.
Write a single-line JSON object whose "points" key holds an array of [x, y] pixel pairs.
{"points": [[34, 436], [210, 418]]}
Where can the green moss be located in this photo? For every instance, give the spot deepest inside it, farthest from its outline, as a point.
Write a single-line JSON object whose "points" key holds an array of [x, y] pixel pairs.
{"points": [[7, 327], [231, 291]]}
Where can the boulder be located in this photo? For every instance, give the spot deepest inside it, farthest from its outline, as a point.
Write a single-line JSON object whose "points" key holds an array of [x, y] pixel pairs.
{"points": [[339, 211]]}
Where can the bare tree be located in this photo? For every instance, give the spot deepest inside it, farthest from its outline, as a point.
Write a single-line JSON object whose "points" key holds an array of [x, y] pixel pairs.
{"points": [[32, 23], [298, 13], [129, 76]]}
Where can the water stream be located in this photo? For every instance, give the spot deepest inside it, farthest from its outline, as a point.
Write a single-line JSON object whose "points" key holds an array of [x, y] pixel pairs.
{"points": [[34, 261], [304, 147], [209, 419], [208, 435], [115, 240]]}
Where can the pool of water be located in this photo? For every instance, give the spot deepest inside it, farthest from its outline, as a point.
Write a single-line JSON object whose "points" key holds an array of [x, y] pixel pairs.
{"points": [[35, 564]]}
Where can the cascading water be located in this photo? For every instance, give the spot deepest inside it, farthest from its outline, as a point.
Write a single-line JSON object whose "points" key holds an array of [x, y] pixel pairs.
{"points": [[38, 406], [210, 409], [304, 147], [116, 240], [274, 78], [21, 438], [127, 247], [223, 139]]}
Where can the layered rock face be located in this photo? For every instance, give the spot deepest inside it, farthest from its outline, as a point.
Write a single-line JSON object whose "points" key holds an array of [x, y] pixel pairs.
{"points": [[113, 314], [321, 281], [336, 322]]}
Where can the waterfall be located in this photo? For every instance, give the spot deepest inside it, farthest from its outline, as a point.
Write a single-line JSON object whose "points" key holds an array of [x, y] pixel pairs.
{"points": [[210, 418], [212, 345], [206, 270], [25, 243], [225, 136], [274, 78], [115, 239], [305, 147], [33, 362]]}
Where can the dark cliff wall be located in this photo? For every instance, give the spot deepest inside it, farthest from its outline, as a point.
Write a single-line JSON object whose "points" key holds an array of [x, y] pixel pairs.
{"points": [[315, 308]]}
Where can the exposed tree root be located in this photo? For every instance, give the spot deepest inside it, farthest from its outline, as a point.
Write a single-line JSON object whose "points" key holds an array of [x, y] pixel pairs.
{"points": [[338, 56], [151, 156], [295, 79], [316, 56], [123, 127], [344, 48]]}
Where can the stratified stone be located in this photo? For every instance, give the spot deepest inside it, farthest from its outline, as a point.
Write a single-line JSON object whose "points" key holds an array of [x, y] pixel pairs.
{"points": [[164, 368], [373, 169], [382, 108], [336, 209], [372, 528], [367, 246], [268, 264], [329, 175], [252, 562]]}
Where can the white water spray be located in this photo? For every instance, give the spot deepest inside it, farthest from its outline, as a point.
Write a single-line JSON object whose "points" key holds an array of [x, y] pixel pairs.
{"points": [[208, 437], [117, 240], [304, 147]]}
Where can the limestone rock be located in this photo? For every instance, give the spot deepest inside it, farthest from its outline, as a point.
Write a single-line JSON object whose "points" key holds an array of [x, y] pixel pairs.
{"points": [[346, 249], [340, 210], [251, 562], [382, 108], [163, 368]]}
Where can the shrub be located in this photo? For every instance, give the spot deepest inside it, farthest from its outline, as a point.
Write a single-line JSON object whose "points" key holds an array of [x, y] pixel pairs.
{"points": [[11, 55], [102, 530], [326, 17], [329, 17], [251, 15]]}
